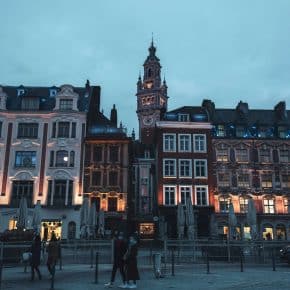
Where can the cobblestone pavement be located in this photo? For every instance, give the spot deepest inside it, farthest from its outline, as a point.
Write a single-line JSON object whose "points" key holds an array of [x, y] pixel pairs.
{"points": [[222, 276]]}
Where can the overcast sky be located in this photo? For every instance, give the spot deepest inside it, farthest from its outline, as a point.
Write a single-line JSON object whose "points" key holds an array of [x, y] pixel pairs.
{"points": [[224, 50]]}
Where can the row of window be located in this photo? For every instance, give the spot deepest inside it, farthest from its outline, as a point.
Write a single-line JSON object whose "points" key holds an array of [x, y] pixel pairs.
{"points": [[60, 192], [184, 143], [96, 153], [98, 178], [59, 130], [251, 132], [268, 204], [61, 158], [242, 155], [173, 194], [265, 180], [185, 168]]}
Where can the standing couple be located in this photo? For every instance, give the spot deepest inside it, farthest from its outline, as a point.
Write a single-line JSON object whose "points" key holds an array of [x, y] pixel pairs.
{"points": [[125, 259]]}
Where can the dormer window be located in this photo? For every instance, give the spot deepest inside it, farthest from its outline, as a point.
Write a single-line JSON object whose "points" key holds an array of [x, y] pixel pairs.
{"points": [[66, 104], [30, 103], [183, 117], [20, 92], [52, 92]]}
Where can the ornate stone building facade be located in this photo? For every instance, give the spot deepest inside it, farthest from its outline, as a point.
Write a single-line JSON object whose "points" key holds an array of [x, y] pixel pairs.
{"points": [[252, 160], [106, 167], [41, 154]]}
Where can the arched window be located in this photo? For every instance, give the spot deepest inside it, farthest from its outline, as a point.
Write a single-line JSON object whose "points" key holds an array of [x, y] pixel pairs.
{"points": [[224, 203], [72, 159], [61, 158], [281, 232], [149, 73]]}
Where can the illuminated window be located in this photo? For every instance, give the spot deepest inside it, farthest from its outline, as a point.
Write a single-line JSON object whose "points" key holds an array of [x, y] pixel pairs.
{"points": [[243, 180], [268, 232], [224, 203], [222, 155], [269, 205], [244, 201], [61, 158], [286, 202], [266, 180], [224, 179], [220, 131], [12, 225], [185, 168], [242, 155], [25, 159], [184, 142], [146, 229], [169, 142]]}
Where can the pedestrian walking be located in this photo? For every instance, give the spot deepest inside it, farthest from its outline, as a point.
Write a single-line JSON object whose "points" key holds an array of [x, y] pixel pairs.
{"points": [[52, 254], [35, 256], [119, 248], [131, 269]]}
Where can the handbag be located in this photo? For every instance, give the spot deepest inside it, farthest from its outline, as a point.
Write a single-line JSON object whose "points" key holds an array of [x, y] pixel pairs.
{"points": [[26, 256]]}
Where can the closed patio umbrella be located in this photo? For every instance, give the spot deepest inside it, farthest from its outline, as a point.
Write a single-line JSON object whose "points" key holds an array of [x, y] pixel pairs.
{"points": [[101, 228], [22, 213], [84, 215], [92, 221], [36, 218], [232, 221], [252, 218], [180, 221], [189, 217]]}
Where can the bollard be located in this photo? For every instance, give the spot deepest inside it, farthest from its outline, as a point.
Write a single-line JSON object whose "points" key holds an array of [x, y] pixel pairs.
{"points": [[273, 260], [52, 278], [92, 258], [242, 261], [97, 268], [207, 263], [172, 262], [60, 259]]}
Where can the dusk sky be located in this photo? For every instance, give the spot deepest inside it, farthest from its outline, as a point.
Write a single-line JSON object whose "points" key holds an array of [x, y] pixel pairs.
{"points": [[224, 50]]}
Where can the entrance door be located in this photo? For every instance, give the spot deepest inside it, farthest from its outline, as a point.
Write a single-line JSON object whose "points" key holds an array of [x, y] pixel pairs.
{"points": [[112, 203]]}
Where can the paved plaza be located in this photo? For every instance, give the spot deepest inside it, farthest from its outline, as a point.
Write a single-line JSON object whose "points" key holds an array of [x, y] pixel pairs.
{"points": [[222, 276]]}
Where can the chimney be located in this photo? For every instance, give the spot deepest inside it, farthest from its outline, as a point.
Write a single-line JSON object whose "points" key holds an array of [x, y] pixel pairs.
{"points": [[114, 118]]}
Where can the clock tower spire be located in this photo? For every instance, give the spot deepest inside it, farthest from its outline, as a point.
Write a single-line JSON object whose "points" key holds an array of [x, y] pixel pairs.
{"points": [[151, 96]]}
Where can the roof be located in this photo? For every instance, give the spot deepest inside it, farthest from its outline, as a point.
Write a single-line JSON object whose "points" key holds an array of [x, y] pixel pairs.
{"points": [[45, 96], [195, 114]]}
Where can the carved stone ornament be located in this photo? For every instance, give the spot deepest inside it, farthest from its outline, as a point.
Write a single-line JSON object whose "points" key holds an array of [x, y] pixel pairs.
{"points": [[61, 174], [26, 143], [23, 176], [67, 91], [62, 142]]}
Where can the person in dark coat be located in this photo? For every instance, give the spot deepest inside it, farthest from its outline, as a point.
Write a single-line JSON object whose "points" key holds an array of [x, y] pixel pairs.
{"points": [[35, 256], [120, 249], [52, 254], [131, 269]]}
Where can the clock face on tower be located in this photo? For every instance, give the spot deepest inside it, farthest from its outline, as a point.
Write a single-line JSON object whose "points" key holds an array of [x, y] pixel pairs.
{"points": [[148, 120]]}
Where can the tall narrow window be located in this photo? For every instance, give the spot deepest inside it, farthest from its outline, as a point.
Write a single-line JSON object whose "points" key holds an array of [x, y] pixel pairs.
{"points": [[199, 142], [185, 168], [223, 179], [200, 168], [224, 203], [113, 178], [222, 155], [201, 195], [243, 180], [53, 132], [63, 130], [184, 142], [242, 155], [269, 205], [51, 159], [169, 195], [0, 129], [114, 153], [98, 153], [21, 188], [185, 194], [266, 180], [72, 159], [244, 201], [61, 158], [73, 129], [169, 142], [169, 168]]}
